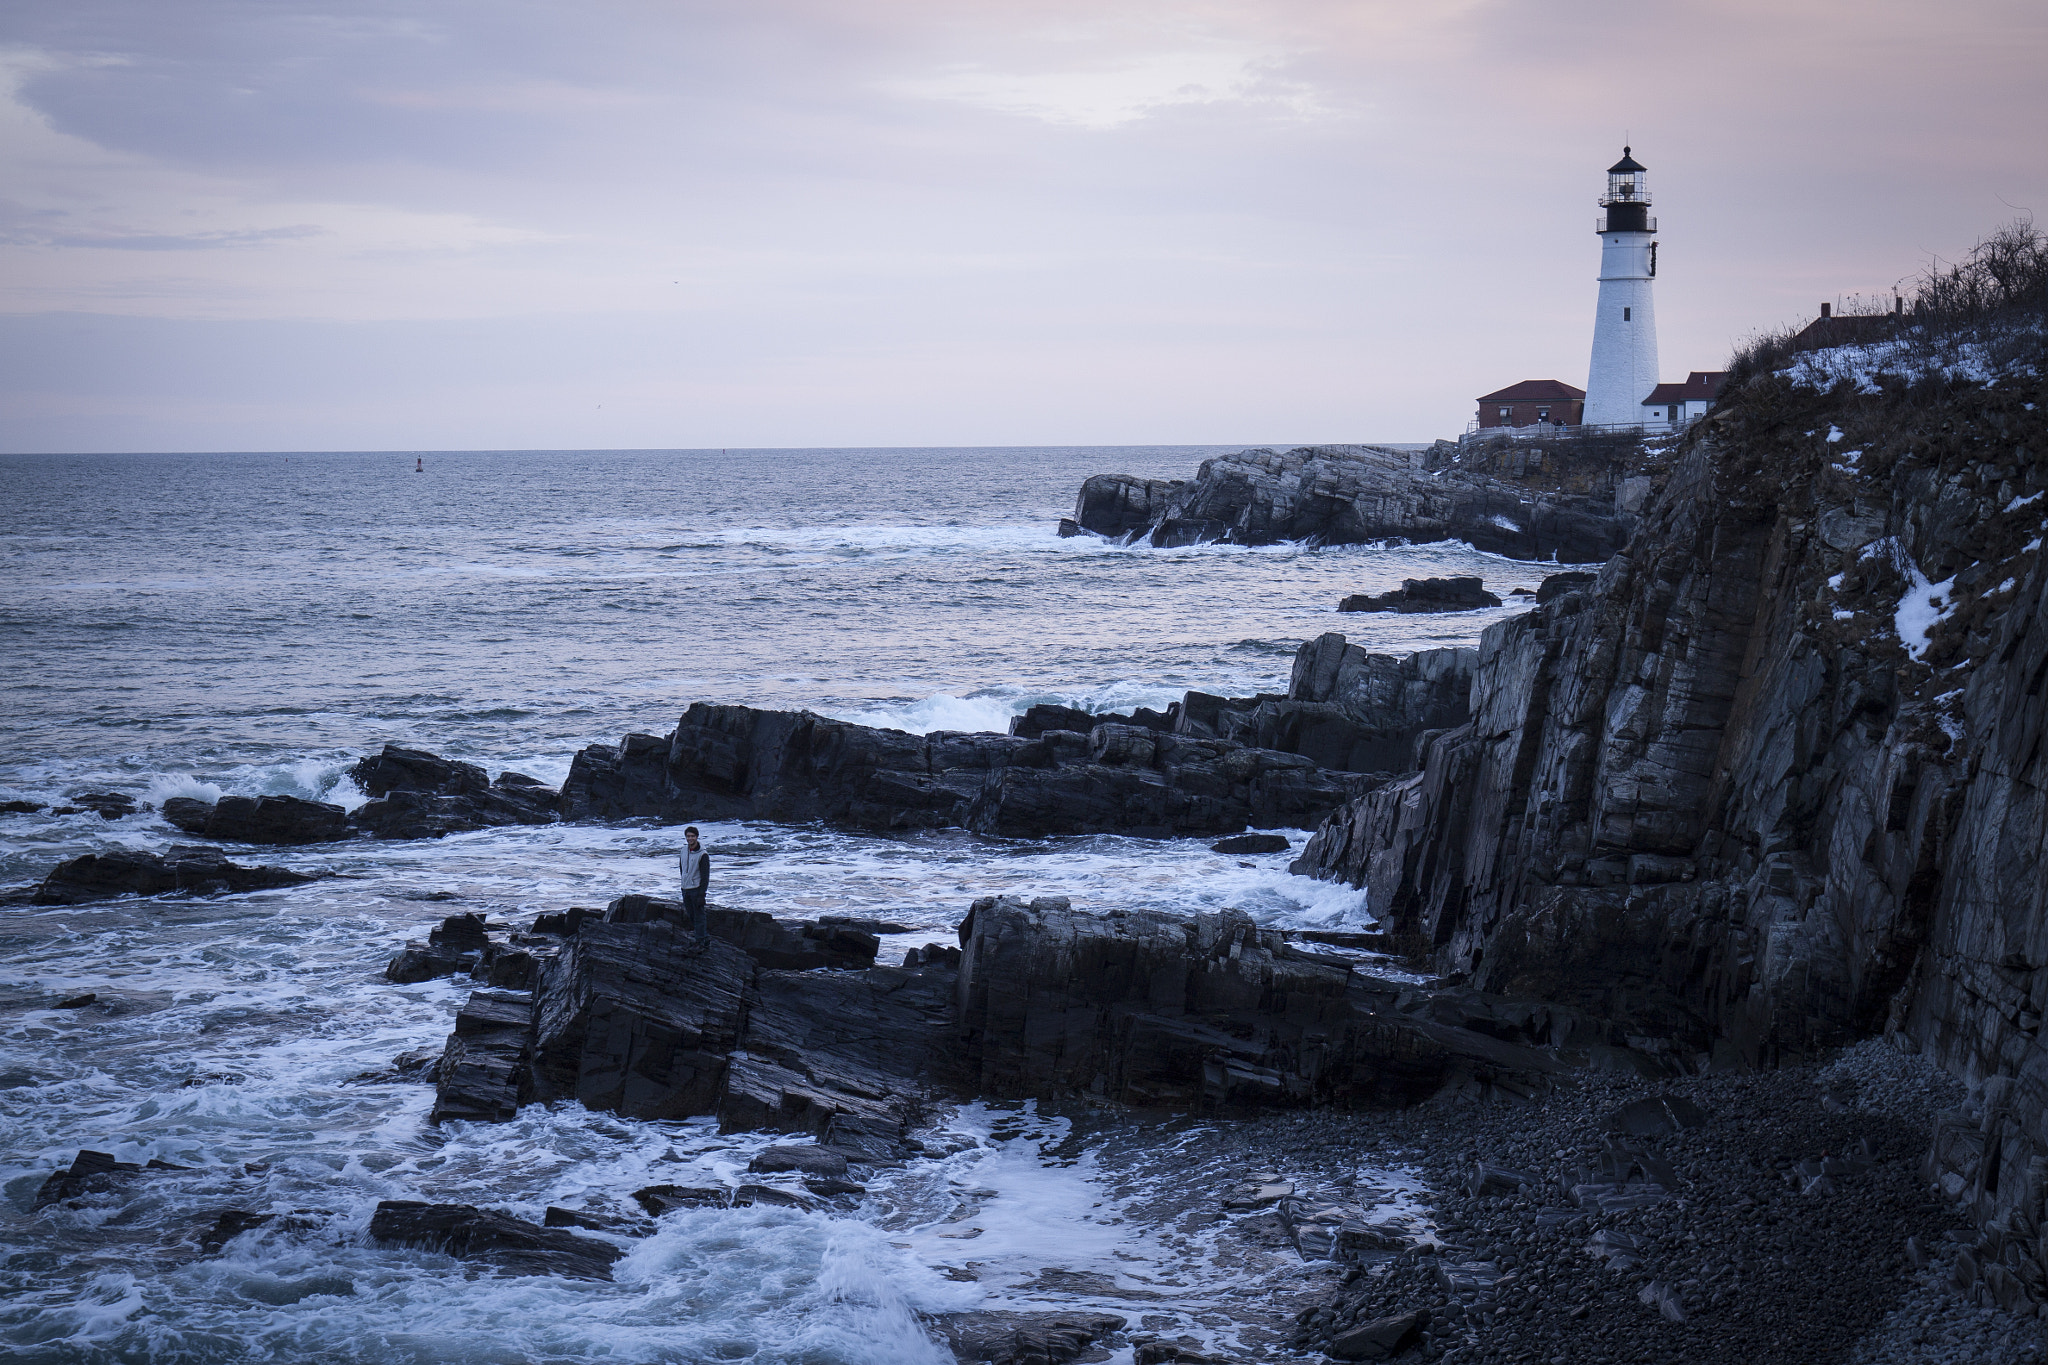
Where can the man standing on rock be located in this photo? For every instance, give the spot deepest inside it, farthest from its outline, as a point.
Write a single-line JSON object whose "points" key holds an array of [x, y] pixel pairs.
{"points": [[695, 865]]}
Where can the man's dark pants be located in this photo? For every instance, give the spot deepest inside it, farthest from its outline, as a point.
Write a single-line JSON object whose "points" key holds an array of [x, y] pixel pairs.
{"points": [[695, 918]]}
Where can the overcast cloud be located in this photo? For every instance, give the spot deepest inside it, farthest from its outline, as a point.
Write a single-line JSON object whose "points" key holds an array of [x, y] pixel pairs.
{"points": [[231, 224]]}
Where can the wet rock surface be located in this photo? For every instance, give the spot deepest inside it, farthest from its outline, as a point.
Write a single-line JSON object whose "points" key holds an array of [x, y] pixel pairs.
{"points": [[260, 819], [190, 869], [1039, 1002], [1025, 1338], [419, 795], [511, 1245], [1425, 595], [1355, 494]]}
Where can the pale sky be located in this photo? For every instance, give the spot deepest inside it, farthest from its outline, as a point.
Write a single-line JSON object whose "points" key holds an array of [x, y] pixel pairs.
{"points": [[481, 224]]}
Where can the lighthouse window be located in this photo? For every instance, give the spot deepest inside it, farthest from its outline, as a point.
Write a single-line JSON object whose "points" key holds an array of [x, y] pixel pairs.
{"points": [[1624, 315]]}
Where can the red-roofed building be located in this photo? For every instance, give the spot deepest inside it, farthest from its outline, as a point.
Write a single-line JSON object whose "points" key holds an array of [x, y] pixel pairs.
{"points": [[1674, 405], [1531, 402]]}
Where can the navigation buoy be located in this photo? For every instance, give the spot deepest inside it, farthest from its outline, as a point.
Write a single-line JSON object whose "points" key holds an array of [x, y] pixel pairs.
{"points": [[419, 466]]}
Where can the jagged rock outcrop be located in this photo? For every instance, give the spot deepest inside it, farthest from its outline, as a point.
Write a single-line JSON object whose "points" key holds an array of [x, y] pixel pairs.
{"points": [[1357, 494], [738, 763], [418, 795], [1118, 504], [1463, 593], [193, 869], [260, 819], [505, 1243], [1345, 708], [1207, 765], [639, 1019], [1205, 1013], [1040, 1001], [1776, 780]]}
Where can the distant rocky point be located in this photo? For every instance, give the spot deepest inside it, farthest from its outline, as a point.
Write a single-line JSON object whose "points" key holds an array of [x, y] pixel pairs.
{"points": [[1570, 500]]}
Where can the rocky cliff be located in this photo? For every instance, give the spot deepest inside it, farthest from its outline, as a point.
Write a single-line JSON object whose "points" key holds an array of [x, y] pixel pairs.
{"points": [[1566, 501], [1775, 780]]}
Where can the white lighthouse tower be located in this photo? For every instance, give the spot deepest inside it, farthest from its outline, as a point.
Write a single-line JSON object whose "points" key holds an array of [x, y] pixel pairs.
{"points": [[1624, 368]]}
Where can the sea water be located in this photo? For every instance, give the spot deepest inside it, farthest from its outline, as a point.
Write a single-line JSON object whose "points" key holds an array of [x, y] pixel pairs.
{"points": [[205, 624]]}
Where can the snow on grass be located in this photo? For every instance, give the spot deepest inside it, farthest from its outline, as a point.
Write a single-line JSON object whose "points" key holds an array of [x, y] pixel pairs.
{"points": [[1834, 434], [1910, 357], [2017, 503]]}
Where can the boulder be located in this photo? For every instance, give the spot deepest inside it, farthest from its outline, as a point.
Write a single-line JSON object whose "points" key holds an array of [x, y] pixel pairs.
{"points": [[1252, 843], [499, 1240], [1425, 595], [1345, 709], [1558, 584], [260, 819], [660, 1199], [189, 868], [89, 1173], [419, 795], [818, 1161], [485, 1072], [1118, 504], [401, 769], [188, 813], [106, 805], [460, 943], [1380, 1339], [417, 962], [565, 923], [636, 1018], [1003, 1338], [1036, 720]]}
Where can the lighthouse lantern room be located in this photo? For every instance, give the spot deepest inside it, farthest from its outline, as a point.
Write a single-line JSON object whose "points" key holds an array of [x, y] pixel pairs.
{"points": [[1624, 367]]}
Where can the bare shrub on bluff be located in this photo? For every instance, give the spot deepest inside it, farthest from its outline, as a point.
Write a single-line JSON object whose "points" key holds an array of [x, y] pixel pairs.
{"points": [[1984, 314]]}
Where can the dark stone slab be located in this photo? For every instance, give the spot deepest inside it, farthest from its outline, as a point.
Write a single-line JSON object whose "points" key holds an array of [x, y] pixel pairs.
{"points": [[505, 1243], [1558, 584], [818, 1161], [419, 795], [1252, 843], [1425, 595], [265, 820], [89, 1173], [1380, 1339], [188, 868], [996, 1338], [660, 1199], [790, 945]]}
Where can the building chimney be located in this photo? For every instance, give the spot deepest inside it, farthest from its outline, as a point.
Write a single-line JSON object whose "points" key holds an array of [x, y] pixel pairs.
{"points": [[1827, 309]]}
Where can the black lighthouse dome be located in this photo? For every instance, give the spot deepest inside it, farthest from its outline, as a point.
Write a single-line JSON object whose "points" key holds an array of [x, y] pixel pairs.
{"points": [[1627, 200]]}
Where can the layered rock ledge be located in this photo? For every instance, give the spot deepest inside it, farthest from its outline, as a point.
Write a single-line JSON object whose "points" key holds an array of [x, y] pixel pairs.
{"points": [[1566, 502], [629, 1014]]}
